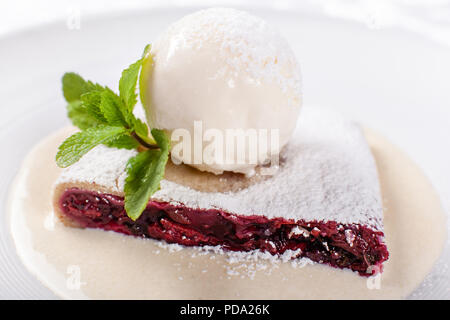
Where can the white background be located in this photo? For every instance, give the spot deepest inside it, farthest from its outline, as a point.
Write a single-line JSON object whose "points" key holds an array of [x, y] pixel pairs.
{"points": [[19, 14]]}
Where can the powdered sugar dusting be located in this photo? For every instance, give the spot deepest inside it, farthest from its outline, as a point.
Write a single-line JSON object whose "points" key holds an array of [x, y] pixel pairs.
{"points": [[329, 175], [102, 165], [349, 237], [246, 44], [244, 264]]}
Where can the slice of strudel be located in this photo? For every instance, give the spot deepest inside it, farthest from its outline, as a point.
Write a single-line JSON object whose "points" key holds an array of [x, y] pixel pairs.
{"points": [[324, 201]]}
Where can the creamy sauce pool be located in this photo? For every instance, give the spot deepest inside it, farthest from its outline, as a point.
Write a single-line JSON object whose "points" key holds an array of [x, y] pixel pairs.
{"points": [[77, 263]]}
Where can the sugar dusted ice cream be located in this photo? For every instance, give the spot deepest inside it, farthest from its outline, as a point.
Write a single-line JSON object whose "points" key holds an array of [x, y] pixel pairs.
{"points": [[227, 69]]}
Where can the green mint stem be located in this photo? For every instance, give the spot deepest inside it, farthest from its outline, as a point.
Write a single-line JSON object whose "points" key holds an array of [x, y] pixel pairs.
{"points": [[142, 142]]}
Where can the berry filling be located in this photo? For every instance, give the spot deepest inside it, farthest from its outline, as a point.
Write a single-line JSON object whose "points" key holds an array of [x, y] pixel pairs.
{"points": [[351, 246]]}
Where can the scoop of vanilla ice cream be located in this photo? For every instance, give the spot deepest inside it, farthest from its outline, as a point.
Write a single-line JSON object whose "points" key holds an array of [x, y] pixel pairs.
{"points": [[227, 69]]}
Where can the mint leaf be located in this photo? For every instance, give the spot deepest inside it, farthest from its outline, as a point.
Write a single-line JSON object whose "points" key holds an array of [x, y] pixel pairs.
{"points": [[141, 130], [79, 115], [140, 183], [117, 114], [81, 118], [74, 86], [77, 145], [124, 141], [92, 101], [82, 106], [146, 71], [162, 140], [144, 173], [127, 85], [113, 109], [146, 50]]}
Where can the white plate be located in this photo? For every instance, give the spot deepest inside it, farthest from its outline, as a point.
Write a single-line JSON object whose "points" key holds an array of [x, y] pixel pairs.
{"points": [[390, 79]]}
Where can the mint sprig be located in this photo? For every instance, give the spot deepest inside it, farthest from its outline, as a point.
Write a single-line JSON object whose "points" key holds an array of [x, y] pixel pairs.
{"points": [[78, 144], [105, 117], [145, 171]]}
